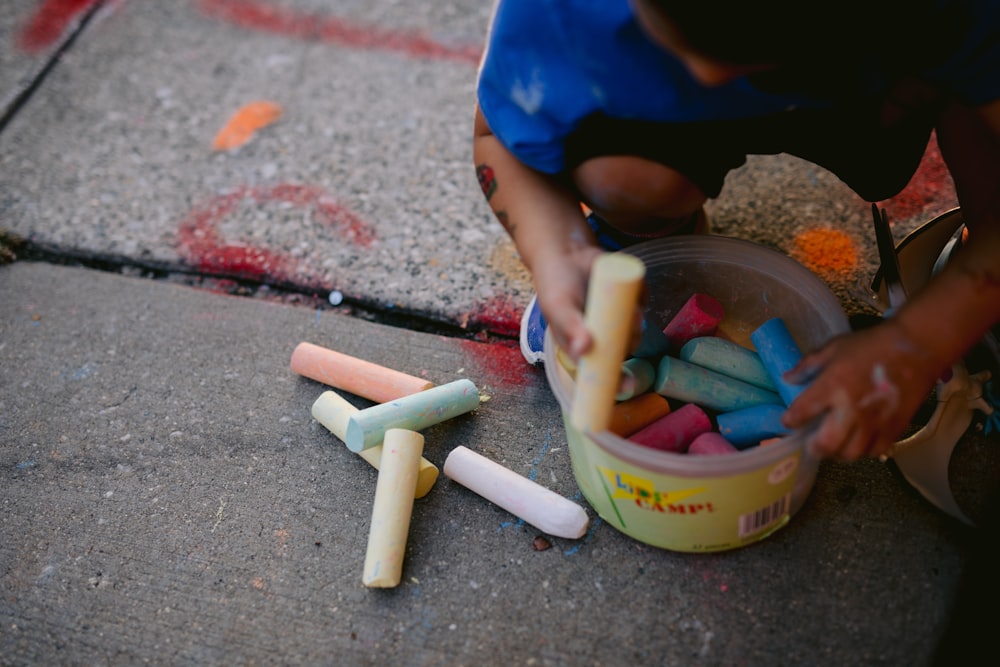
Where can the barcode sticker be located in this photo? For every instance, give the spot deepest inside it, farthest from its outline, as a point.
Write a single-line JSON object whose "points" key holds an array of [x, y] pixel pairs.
{"points": [[758, 520]]}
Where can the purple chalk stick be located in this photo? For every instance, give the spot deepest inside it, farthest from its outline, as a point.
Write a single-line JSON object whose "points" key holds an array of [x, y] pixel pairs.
{"points": [[699, 316], [711, 444], [675, 431], [779, 353], [747, 427]]}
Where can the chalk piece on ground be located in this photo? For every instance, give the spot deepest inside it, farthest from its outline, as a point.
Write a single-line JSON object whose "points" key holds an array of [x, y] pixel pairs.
{"points": [[356, 376], [542, 508], [392, 509], [612, 295], [686, 382], [366, 428], [629, 416], [699, 316], [726, 357], [675, 431], [779, 353], [747, 427], [333, 411], [711, 444], [640, 376]]}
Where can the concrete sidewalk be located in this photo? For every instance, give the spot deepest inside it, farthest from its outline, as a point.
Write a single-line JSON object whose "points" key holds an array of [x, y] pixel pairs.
{"points": [[167, 496], [168, 499]]}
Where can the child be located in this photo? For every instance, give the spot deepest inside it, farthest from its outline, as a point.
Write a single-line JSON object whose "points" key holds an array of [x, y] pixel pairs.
{"points": [[639, 109]]}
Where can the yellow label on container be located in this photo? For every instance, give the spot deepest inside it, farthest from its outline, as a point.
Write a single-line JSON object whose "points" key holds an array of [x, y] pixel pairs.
{"points": [[685, 513]]}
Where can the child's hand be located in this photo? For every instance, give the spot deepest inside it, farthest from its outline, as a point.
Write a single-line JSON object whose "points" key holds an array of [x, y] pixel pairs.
{"points": [[561, 284], [865, 388]]}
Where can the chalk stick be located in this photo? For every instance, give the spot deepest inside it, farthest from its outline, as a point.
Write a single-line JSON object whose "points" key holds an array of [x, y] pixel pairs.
{"points": [[686, 382], [699, 316], [710, 444], [629, 416], [612, 295], [642, 375], [356, 376], [392, 509], [779, 353], [728, 358], [366, 428], [747, 427], [675, 431], [653, 343], [542, 508], [333, 411]]}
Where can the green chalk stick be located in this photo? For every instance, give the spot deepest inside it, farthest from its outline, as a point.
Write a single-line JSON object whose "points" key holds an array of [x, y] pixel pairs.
{"points": [[366, 428], [684, 381], [728, 358]]}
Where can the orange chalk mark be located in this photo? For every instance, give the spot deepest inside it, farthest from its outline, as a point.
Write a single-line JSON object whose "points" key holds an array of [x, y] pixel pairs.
{"points": [[243, 124], [826, 251]]}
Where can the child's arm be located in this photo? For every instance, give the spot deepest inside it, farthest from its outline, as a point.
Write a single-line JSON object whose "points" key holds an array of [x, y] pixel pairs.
{"points": [[546, 223], [868, 385]]}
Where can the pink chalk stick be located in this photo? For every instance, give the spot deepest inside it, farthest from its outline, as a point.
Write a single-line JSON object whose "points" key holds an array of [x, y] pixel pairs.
{"points": [[675, 431], [699, 316], [711, 444]]}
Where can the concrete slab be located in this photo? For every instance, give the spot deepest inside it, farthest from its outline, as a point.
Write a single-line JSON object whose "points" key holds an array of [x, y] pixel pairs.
{"points": [[168, 498]]}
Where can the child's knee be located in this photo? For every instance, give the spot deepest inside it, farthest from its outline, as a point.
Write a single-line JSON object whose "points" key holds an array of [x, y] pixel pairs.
{"points": [[629, 190]]}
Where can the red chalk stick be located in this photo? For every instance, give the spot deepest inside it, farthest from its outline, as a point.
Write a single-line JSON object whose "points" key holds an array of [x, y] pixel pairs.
{"points": [[699, 316], [675, 431], [711, 444]]}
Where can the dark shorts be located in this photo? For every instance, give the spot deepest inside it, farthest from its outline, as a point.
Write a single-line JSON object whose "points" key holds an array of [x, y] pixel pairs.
{"points": [[875, 161]]}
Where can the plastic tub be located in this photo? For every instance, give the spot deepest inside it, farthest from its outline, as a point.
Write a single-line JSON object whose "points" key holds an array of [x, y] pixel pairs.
{"points": [[706, 503]]}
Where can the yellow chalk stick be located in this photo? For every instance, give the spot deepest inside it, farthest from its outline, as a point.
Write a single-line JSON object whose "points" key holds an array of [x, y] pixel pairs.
{"points": [[615, 281], [333, 411], [357, 376], [629, 416], [392, 509]]}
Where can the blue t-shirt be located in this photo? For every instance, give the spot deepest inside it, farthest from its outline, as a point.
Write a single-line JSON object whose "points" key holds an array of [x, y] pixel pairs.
{"points": [[551, 63]]}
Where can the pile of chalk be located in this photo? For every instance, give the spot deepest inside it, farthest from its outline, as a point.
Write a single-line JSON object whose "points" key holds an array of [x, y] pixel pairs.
{"points": [[691, 390], [386, 435]]}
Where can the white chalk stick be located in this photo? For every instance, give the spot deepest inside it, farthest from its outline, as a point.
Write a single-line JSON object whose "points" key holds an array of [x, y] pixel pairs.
{"points": [[333, 411], [392, 509], [367, 427], [525, 499], [612, 294]]}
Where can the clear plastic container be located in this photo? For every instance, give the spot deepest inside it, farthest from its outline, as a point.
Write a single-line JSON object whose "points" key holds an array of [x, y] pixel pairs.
{"points": [[706, 503]]}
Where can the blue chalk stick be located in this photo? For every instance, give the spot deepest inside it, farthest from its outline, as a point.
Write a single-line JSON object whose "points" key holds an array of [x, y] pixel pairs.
{"points": [[728, 358], [686, 382], [653, 343], [747, 427], [779, 353]]}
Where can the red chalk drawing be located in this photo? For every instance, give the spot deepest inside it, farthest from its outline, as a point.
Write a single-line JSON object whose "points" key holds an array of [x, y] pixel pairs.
{"points": [[50, 22], [201, 244], [499, 315], [930, 191], [302, 25], [498, 363]]}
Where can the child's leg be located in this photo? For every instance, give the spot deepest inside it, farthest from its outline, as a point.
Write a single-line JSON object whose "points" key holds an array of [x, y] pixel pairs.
{"points": [[637, 196]]}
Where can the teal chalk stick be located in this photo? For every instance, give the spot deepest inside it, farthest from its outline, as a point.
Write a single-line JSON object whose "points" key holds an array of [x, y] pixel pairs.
{"points": [[366, 428], [728, 358], [684, 381], [643, 374]]}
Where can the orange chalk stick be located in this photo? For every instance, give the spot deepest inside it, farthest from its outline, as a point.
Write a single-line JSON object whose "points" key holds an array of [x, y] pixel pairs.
{"points": [[356, 376], [629, 416]]}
